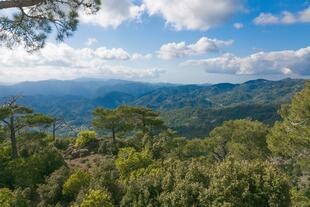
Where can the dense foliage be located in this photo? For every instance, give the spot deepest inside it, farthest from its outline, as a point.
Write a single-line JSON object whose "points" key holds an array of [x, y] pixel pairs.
{"points": [[133, 159]]}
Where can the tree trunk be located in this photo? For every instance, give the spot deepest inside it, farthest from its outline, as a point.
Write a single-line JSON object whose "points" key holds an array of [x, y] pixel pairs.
{"points": [[13, 138], [54, 130], [113, 135]]}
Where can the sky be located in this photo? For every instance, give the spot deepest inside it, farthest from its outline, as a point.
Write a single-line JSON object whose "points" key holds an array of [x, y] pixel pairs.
{"points": [[177, 41]]}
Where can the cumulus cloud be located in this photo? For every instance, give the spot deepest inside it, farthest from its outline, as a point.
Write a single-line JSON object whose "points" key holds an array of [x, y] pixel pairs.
{"points": [[194, 14], [113, 13], [112, 54], [64, 62], [281, 62], [238, 25], [284, 18], [180, 14], [202, 46]]}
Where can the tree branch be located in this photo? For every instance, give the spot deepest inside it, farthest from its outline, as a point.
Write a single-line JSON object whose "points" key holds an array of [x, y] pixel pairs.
{"points": [[19, 3]]}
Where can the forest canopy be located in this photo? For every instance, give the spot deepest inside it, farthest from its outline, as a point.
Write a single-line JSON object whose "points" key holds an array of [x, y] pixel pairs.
{"points": [[130, 158]]}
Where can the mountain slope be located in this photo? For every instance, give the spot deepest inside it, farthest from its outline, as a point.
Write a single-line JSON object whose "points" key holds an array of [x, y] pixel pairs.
{"points": [[191, 110], [221, 95]]}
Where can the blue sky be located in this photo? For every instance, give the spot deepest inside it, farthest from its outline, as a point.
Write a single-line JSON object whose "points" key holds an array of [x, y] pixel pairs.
{"points": [[180, 41]]}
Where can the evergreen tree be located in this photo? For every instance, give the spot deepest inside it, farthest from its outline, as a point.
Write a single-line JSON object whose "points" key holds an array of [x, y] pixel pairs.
{"points": [[17, 117]]}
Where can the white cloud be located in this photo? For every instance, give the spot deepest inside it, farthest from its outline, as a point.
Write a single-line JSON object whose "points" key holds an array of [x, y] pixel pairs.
{"points": [[266, 18], [91, 41], [181, 14], [281, 62], [194, 14], [138, 56], [113, 13], [64, 62], [238, 25], [284, 18], [202, 46], [112, 54]]}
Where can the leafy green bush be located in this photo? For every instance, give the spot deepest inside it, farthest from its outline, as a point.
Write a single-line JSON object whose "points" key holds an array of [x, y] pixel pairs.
{"points": [[50, 193], [106, 176], [18, 198], [30, 171], [247, 184], [6, 197], [75, 183], [97, 198], [175, 183], [84, 138], [62, 143], [300, 198], [129, 160], [110, 147]]}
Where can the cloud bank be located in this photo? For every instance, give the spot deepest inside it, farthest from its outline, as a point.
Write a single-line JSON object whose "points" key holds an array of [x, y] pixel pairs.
{"points": [[202, 46], [180, 14], [113, 13], [194, 14], [64, 62], [285, 62], [284, 18]]}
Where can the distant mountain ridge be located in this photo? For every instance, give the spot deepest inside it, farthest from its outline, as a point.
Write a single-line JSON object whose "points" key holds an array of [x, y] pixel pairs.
{"points": [[90, 88], [192, 110], [222, 95]]}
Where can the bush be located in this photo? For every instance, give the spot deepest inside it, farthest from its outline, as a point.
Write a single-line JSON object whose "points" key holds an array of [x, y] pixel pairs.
{"points": [[19, 198], [75, 183], [85, 138], [97, 198], [129, 160], [109, 147], [28, 172], [6, 197], [62, 143], [301, 197], [50, 193], [247, 184], [106, 176]]}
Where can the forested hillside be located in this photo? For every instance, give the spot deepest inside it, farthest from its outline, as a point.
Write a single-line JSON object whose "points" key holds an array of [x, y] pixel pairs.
{"points": [[130, 157], [154, 103], [191, 110]]}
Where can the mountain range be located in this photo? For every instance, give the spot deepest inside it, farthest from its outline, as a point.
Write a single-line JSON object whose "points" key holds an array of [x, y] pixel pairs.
{"points": [[191, 110]]}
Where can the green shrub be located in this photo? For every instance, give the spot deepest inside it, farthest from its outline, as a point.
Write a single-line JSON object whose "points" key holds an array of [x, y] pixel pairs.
{"points": [[97, 198], [62, 143], [6, 197], [30, 171], [18, 198], [75, 183], [50, 193], [247, 184], [129, 160], [84, 138]]}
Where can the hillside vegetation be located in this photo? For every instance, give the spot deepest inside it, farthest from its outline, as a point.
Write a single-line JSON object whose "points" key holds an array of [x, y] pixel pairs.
{"points": [[190, 110], [129, 157]]}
